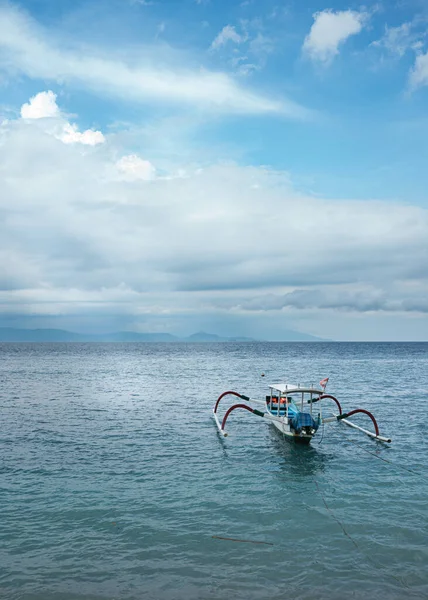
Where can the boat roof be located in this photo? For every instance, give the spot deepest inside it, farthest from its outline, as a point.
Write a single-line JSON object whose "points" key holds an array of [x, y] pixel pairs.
{"points": [[288, 388]]}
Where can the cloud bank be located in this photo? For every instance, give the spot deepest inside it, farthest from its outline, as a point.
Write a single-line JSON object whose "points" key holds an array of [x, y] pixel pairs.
{"points": [[96, 232]]}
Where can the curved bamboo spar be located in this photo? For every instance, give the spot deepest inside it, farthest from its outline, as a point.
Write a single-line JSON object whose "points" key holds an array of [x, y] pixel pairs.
{"points": [[324, 396], [225, 394], [245, 406], [361, 410]]}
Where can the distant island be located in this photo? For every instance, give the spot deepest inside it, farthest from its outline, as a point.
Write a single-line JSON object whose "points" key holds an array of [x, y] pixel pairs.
{"points": [[10, 334]]}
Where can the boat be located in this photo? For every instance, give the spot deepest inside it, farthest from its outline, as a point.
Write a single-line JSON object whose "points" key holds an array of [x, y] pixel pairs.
{"points": [[297, 411]]}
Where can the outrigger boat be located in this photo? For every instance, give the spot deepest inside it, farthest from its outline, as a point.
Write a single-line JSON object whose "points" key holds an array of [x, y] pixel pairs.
{"points": [[286, 407]]}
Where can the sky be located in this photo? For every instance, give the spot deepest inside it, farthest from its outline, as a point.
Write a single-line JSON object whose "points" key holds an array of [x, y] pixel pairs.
{"points": [[238, 167]]}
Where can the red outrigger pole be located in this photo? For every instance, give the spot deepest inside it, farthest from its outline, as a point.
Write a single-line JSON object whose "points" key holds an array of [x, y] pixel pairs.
{"points": [[343, 417], [246, 407], [227, 393], [361, 410], [325, 396], [232, 408]]}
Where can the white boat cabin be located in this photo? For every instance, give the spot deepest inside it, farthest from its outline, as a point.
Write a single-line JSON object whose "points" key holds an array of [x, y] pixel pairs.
{"points": [[284, 397]]}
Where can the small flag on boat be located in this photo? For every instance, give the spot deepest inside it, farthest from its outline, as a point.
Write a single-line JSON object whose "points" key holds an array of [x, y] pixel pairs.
{"points": [[323, 383]]}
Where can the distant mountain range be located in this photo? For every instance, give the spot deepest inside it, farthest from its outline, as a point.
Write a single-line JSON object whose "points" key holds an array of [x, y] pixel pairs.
{"points": [[10, 334]]}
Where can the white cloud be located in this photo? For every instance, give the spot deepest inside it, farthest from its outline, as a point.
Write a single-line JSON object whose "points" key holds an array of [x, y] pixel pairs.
{"points": [[135, 77], [255, 46], [133, 168], [397, 40], [419, 73], [72, 135], [331, 29], [261, 45], [227, 34], [408, 36], [41, 106]]}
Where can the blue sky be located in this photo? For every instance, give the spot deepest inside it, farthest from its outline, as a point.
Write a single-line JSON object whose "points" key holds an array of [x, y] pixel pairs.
{"points": [[240, 167]]}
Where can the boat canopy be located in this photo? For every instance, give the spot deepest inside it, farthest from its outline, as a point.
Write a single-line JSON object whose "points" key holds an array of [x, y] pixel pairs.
{"points": [[288, 388]]}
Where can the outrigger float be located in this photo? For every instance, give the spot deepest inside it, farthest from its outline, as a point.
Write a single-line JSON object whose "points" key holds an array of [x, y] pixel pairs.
{"points": [[285, 408]]}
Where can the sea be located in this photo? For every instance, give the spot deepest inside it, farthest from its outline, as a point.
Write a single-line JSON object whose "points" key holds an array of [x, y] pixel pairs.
{"points": [[116, 485]]}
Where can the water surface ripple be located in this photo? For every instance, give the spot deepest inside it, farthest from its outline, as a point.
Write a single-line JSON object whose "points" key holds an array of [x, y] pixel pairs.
{"points": [[113, 478]]}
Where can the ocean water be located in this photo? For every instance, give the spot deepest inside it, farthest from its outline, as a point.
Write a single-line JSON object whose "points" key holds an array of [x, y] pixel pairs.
{"points": [[114, 480]]}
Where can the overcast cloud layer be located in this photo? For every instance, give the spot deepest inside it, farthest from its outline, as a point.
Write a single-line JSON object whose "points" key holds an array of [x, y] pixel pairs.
{"points": [[86, 230]]}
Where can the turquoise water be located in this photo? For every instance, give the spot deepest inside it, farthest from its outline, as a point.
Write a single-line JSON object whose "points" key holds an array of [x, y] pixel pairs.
{"points": [[113, 478]]}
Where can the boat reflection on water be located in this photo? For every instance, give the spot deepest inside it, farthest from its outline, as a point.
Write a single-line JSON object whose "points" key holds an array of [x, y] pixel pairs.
{"points": [[296, 460]]}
